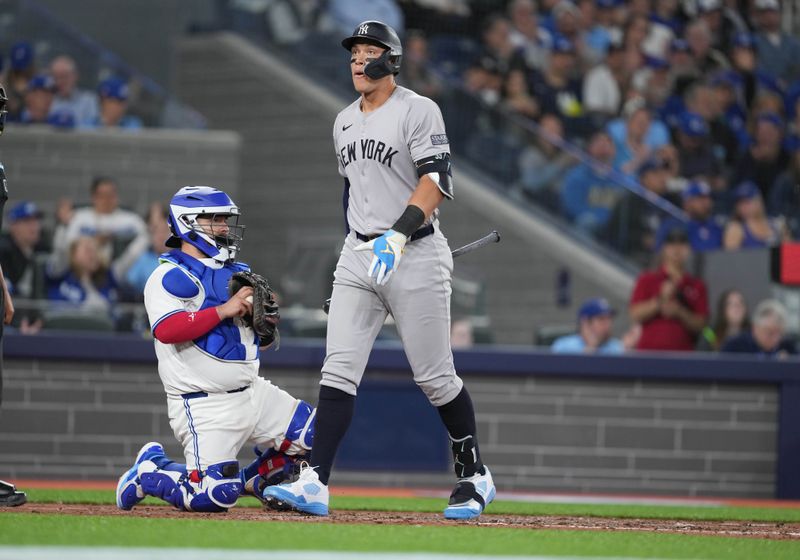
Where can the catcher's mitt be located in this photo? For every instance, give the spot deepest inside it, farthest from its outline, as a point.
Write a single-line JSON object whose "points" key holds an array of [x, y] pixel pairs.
{"points": [[265, 317]]}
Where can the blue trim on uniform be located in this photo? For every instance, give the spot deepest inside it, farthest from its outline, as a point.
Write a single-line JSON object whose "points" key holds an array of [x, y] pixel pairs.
{"points": [[170, 314], [194, 434], [178, 284], [299, 420], [346, 204]]}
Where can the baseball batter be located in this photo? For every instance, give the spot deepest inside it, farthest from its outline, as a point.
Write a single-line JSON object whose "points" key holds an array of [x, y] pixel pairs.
{"points": [[393, 153], [208, 362]]}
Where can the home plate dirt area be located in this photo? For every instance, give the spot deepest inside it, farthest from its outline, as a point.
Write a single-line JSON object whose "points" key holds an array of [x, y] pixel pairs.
{"points": [[762, 530]]}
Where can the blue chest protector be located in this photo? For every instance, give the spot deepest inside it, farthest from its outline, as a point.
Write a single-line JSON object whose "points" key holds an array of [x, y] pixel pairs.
{"points": [[224, 340]]}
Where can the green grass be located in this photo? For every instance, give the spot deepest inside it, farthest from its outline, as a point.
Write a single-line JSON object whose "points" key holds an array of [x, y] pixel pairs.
{"points": [[24, 529], [498, 507]]}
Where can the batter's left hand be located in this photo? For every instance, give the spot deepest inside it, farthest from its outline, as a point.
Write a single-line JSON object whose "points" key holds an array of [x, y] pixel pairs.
{"points": [[387, 249]]}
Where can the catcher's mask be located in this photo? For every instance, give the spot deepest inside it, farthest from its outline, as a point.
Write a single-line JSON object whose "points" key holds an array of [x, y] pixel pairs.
{"points": [[218, 238], [3, 109]]}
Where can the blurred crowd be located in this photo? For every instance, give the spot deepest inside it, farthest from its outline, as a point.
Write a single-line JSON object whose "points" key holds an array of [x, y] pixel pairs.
{"points": [[670, 311], [94, 258], [696, 101], [50, 94]]}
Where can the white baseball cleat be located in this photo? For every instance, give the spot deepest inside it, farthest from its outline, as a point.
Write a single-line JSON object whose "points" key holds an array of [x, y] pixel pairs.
{"points": [[471, 496], [307, 494], [129, 489]]}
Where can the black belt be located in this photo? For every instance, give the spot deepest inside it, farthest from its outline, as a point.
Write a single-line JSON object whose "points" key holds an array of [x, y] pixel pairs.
{"points": [[201, 394], [419, 234]]}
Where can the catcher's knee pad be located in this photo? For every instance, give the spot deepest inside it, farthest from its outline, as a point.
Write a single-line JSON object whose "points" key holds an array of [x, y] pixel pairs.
{"points": [[300, 432], [216, 489]]}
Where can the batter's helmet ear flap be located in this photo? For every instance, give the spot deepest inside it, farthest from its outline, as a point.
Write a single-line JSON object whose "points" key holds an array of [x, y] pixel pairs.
{"points": [[382, 66]]}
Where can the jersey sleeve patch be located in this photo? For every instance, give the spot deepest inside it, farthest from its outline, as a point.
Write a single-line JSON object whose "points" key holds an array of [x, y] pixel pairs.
{"points": [[439, 139], [178, 284]]}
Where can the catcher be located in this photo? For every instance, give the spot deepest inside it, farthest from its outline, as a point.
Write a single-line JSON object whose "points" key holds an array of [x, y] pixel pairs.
{"points": [[209, 316]]}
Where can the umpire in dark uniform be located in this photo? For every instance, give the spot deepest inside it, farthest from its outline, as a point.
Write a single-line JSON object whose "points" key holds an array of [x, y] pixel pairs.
{"points": [[9, 496]]}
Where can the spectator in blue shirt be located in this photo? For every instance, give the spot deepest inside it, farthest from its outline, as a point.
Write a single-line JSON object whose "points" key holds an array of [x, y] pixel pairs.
{"points": [[69, 98], [114, 94], [705, 232], [766, 337], [146, 263], [637, 137], [588, 195], [595, 323]]}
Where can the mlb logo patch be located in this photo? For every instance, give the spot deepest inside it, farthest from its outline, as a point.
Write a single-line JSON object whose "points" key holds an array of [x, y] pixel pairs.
{"points": [[439, 139]]}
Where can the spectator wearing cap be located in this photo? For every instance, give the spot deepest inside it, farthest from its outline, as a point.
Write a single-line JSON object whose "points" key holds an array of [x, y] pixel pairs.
{"points": [[784, 200], [670, 303], [634, 221], [766, 338], [19, 246], [704, 231], [637, 136], [69, 98], [21, 70], [553, 91], [700, 99], [595, 325], [750, 227], [778, 52], [38, 100], [588, 195], [607, 84], [113, 94], [695, 151], [653, 82], [766, 158], [727, 87], [707, 58]]}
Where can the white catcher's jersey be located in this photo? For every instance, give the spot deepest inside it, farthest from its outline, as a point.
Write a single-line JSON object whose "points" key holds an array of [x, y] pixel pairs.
{"points": [[186, 368], [377, 152]]}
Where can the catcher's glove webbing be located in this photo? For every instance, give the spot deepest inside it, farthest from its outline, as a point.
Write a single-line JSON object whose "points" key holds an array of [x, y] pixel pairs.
{"points": [[265, 317]]}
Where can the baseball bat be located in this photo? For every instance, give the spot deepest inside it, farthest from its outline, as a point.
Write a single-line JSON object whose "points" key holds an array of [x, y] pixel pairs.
{"points": [[492, 237]]}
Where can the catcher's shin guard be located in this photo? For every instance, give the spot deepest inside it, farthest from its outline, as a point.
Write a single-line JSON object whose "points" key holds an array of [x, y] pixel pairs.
{"points": [[269, 468], [216, 489]]}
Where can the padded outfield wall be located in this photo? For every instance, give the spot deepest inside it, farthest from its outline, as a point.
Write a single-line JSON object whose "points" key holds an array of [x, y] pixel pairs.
{"points": [[79, 408]]}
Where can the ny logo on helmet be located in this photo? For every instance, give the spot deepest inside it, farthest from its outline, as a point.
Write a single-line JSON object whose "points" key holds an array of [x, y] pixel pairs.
{"points": [[363, 29]]}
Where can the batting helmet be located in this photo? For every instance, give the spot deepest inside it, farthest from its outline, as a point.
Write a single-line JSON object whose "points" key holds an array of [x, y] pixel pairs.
{"points": [[381, 34]]}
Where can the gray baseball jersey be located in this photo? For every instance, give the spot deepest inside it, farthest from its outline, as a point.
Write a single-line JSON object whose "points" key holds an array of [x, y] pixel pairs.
{"points": [[377, 152]]}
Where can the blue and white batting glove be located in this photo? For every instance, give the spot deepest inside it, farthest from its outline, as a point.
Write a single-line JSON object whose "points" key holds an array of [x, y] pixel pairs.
{"points": [[388, 249]]}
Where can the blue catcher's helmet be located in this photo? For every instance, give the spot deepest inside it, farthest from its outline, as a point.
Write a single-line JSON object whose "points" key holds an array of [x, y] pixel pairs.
{"points": [[191, 202]]}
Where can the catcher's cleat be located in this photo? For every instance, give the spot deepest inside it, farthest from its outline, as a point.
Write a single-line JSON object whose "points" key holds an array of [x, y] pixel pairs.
{"points": [[10, 496], [471, 496], [129, 488], [306, 495]]}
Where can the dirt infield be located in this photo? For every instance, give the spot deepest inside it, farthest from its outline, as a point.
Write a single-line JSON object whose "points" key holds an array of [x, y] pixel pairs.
{"points": [[763, 530]]}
